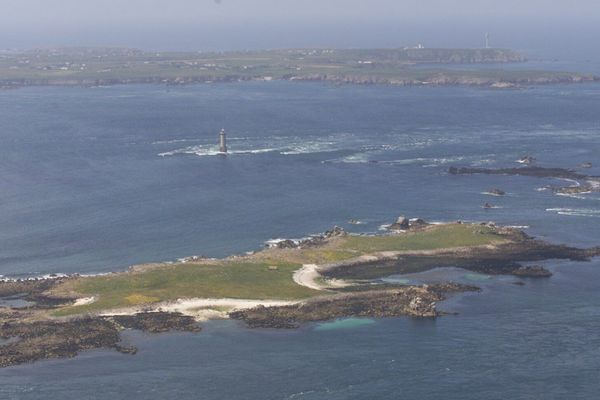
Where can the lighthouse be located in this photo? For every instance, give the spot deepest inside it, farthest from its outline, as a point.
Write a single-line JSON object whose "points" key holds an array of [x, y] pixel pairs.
{"points": [[222, 142]]}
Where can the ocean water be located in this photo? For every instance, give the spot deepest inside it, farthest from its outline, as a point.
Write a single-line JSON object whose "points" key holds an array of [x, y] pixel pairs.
{"points": [[97, 179]]}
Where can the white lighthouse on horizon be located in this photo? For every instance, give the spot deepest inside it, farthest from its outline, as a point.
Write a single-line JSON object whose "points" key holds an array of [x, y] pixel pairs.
{"points": [[222, 142]]}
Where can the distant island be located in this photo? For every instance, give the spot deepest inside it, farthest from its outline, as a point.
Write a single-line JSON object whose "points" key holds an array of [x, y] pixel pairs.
{"points": [[399, 67], [289, 283]]}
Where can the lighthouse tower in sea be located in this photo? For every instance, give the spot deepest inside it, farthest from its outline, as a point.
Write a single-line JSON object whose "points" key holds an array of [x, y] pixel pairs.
{"points": [[222, 142]]}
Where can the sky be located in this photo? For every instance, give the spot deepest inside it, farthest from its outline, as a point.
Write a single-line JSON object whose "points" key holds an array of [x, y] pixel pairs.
{"points": [[246, 24]]}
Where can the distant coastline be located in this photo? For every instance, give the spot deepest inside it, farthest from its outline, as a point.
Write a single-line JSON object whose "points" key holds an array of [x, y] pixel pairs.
{"points": [[89, 67]]}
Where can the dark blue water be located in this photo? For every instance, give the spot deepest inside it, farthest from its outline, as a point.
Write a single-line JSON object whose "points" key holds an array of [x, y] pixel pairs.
{"points": [[98, 179]]}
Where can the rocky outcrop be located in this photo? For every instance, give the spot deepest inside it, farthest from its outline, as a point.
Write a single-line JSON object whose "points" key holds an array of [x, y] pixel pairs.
{"points": [[539, 172], [497, 192], [417, 223], [414, 301], [527, 160], [36, 290], [584, 183], [534, 271], [45, 339], [402, 223], [33, 341], [335, 232], [157, 322], [311, 241]]}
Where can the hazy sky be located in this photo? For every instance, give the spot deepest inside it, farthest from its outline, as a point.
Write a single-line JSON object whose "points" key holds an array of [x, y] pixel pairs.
{"points": [[235, 24]]}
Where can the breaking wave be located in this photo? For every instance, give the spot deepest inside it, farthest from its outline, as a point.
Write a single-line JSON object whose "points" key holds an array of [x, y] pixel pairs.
{"points": [[576, 212], [358, 148]]}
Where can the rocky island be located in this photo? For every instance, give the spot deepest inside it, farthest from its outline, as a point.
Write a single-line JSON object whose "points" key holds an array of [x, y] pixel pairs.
{"points": [[398, 67], [287, 284], [577, 182]]}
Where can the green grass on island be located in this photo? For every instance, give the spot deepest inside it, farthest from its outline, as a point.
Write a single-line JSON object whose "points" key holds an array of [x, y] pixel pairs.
{"points": [[238, 280], [265, 275], [438, 237]]}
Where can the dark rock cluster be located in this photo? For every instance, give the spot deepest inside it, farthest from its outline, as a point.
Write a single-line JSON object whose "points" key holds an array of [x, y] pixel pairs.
{"points": [[32, 341], [415, 301], [403, 223], [314, 240]]}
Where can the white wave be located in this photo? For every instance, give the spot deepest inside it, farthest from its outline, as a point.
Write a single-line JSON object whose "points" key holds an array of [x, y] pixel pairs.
{"points": [[574, 196], [576, 212], [173, 141], [485, 161], [202, 151], [495, 194], [361, 145], [274, 242], [35, 278], [310, 148], [595, 184], [430, 161]]}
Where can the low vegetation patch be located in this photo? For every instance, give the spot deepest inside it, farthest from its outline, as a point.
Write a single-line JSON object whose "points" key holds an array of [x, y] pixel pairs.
{"points": [[241, 280], [436, 237]]}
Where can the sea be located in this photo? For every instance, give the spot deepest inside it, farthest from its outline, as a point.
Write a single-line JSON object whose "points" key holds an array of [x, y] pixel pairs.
{"points": [[98, 179]]}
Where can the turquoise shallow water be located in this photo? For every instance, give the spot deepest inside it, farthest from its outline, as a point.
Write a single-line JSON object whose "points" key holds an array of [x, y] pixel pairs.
{"points": [[94, 180], [345, 323]]}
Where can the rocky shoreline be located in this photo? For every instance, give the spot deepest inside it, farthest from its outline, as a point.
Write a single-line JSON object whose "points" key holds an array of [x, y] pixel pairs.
{"points": [[413, 301], [436, 79], [502, 259], [447, 79]]}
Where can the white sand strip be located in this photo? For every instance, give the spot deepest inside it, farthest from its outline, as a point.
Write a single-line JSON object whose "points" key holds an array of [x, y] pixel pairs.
{"points": [[307, 275]]}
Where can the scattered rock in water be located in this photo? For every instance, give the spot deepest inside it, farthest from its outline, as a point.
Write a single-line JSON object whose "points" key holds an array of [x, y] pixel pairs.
{"points": [[527, 160], [487, 206], [533, 271], [518, 283], [586, 165], [497, 192]]}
